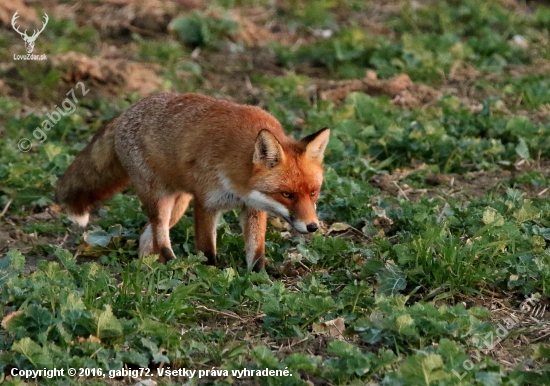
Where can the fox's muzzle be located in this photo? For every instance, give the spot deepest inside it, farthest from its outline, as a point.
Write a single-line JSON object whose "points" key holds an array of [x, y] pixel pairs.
{"points": [[301, 226], [312, 227]]}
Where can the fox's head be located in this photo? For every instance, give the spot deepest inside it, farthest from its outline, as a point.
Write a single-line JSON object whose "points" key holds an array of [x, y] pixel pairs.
{"points": [[287, 177]]}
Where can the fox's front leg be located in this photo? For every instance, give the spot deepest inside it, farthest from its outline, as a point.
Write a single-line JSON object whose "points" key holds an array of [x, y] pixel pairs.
{"points": [[206, 221], [254, 224]]}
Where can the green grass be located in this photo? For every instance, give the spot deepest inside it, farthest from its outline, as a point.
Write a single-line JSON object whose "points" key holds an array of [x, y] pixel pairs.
{"points": [[410, 272]]}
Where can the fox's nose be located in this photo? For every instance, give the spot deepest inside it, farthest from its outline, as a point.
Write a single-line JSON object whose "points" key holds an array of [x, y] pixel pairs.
{"points": [[312, 227]]}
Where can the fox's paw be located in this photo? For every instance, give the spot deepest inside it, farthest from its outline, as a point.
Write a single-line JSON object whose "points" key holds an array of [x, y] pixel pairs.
{"points": [[212, 259], [166, 254], [259, 264]]}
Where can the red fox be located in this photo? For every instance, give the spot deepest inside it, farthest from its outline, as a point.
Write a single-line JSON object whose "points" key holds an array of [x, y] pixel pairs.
{"points": [[178, 147]]}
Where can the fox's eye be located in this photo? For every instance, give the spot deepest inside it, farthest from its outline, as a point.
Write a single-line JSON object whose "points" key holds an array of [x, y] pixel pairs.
{"points": [[287, 195], [314, 193]]}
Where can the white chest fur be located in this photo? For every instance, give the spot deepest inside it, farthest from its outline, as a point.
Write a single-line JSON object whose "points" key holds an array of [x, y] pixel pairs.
{"points": [[223, 198]]}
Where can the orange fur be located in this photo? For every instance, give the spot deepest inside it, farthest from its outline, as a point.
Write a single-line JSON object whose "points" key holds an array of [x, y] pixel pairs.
{"points": [[175, 147]]}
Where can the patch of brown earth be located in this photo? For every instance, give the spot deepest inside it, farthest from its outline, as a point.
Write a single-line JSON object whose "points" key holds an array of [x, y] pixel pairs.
{"points": [[110, 73], [474, 184], [404, 92], [228, 74], [27, 15], [258, 26], [114, 18]]}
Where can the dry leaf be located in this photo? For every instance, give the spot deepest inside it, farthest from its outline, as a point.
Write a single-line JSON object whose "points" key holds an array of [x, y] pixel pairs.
{"points": [[333, 328], [339, 227], [8, 317]]}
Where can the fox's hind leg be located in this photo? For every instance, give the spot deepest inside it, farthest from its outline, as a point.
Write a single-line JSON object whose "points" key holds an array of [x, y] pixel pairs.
{"points": [[180, 206], [163, 214]]}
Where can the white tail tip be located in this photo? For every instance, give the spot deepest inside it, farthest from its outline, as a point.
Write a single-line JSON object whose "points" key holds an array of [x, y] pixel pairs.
{"points": [[80, 219]]}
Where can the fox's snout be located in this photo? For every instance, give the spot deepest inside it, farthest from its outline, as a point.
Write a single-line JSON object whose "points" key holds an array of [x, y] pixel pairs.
{"points": [[312, 227], [304, 226]]}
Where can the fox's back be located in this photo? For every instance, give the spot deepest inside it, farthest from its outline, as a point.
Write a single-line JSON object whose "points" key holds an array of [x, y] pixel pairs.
{"points": [[191, 137]]}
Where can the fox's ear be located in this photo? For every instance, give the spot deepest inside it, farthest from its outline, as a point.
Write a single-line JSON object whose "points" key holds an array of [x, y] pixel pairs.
{"points": [[316, 144], [267, 150]]}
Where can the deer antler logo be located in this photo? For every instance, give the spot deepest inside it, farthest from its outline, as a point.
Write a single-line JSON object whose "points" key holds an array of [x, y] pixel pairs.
{"points": [[29, 40]]}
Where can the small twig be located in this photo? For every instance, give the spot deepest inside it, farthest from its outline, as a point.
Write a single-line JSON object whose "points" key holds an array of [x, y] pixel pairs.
{"points": [[401, 190], [142, 31], [222, 313], [6, 208], [305, 266], [359, 232], [440, 217], [296, 343], [95, 352], [542, 192], [540, 337]]}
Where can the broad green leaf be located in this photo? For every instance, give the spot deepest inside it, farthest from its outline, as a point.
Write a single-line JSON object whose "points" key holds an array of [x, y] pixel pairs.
{"points": [[265, 357], [37, 355], [27, 347], [134, 357], [17, 260], [158, 357], [97, 237], [404, 321], [487, 378], [39, 315], [391, 279], [73, 303], [527, 212], [303, 362], [541, 351], [351, 359], [67, 259], [423, 369], [522, 150], [51, 150], [107, 325], [491, 216]]}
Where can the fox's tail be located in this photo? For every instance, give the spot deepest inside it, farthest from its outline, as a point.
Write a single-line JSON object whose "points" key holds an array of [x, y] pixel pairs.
{"points": [[95, 175]]}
